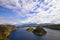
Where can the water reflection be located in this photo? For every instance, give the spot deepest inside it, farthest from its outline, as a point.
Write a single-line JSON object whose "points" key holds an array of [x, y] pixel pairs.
{"points": [[22, 34]]}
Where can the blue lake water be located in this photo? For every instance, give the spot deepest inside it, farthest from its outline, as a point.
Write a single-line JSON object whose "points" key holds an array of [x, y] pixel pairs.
{"points": [[22, 34]]}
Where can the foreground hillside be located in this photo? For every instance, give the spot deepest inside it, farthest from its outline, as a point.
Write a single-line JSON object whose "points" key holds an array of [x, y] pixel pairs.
{"points": [[5, 31]]}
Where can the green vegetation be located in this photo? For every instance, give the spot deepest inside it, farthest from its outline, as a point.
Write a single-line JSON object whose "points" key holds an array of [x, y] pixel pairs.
{"points": [[5, 31], [39, 31], [30, 29], [53, 26]]}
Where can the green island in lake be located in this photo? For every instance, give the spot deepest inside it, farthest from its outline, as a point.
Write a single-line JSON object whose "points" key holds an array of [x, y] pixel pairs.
{"points": [[37, 31]]}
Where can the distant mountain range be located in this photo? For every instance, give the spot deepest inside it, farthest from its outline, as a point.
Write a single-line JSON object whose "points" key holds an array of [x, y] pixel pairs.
{"points": [[34, 24], [27, 24]]}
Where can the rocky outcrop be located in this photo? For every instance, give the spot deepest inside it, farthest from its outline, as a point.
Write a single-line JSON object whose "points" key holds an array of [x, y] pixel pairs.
{"points": [[29, 29], [39, 31]]}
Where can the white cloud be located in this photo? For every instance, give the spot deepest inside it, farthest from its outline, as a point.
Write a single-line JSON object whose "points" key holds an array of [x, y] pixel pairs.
{"points": [[40, 17], [11, 20]]}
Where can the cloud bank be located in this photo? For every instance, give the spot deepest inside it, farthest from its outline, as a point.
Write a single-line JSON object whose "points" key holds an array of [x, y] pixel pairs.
{"points": [[35, 11]]}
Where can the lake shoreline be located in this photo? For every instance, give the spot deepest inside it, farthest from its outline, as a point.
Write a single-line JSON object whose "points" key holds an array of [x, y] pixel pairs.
{"points": [[21, 33]]}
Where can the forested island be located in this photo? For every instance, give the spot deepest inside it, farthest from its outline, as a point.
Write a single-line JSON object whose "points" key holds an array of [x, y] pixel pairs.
{"points": [[38, 30]]}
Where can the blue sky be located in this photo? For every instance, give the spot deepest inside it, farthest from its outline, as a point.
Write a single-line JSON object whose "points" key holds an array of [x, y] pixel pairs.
{"points": [[9, 14], [5, 12], [14, 12]]}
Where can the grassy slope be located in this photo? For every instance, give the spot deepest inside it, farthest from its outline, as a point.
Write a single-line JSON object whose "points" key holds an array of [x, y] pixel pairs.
{"points": [[5, 31]]}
